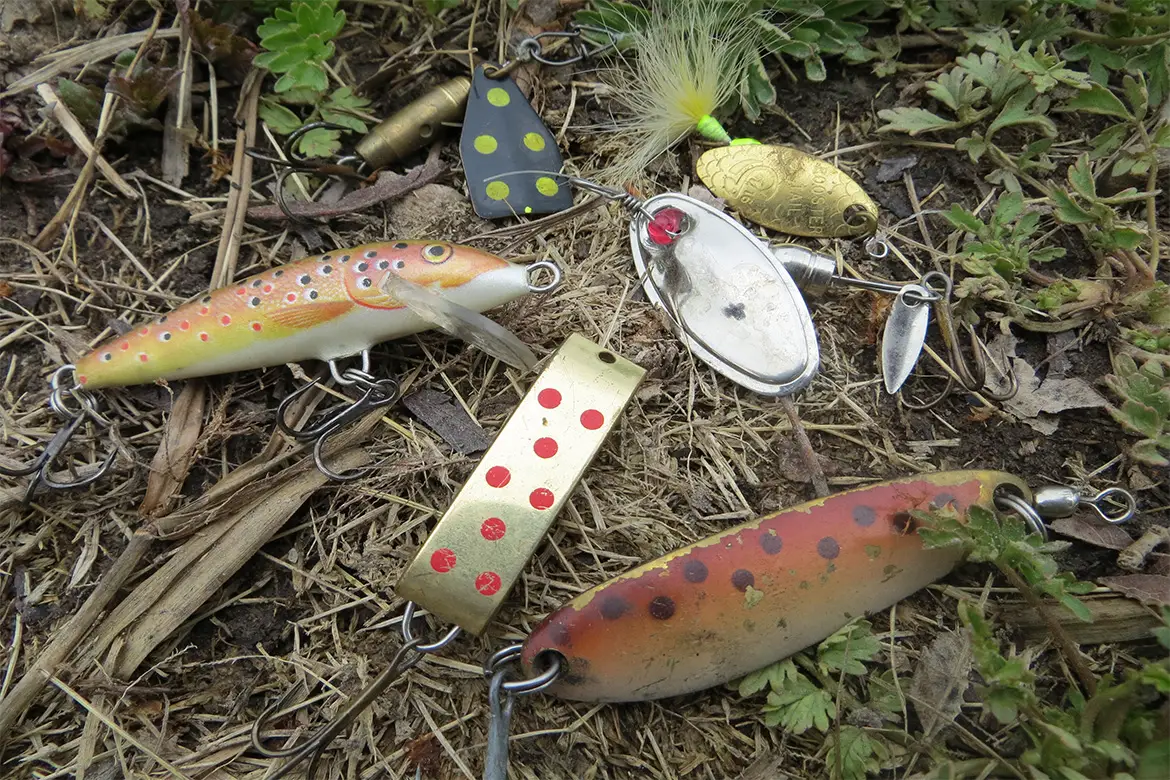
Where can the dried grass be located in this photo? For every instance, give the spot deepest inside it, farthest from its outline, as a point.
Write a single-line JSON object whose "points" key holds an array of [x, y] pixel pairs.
{"points": [[147, 642]]}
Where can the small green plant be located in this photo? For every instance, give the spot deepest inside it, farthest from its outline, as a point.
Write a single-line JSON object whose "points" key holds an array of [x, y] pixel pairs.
{"points": [[801, 698], [1024, 557], [1006, 244], [298, 42], [1145, 407], [1117, 731]]}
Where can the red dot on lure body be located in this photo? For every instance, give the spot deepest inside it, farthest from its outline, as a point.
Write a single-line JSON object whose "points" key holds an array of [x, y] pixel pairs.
{"points": [[493, 529], [256, 326], [226, 320], [185, 325], [143, 357], [291, 297], [82, 378], [241, 291], [204, 311], [541, 498], [545, 447], [498, 476], [443, 560], [549, 398], [125, 345], [203, 337], [267, 288], [488, 583], [592, 419], [144, 331]]}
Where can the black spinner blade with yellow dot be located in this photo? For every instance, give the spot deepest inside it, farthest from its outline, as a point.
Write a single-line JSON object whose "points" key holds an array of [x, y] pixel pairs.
{"points": [[503, 134]]}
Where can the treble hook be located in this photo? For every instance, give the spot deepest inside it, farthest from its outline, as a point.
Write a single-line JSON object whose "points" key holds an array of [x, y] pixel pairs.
{"points": [[292, 163], [408, 656], [970, 373], [41, 468], [376, 394]]}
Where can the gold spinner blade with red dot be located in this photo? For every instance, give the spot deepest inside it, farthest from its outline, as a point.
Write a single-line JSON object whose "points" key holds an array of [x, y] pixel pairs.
{"points": [[463, 572], [502, 134]]}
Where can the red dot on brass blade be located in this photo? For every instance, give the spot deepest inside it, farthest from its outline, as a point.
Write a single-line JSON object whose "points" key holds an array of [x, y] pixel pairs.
{"points": [[592, 419], [498, 476], [443, 560], [493, 529], [545, 447], [549, 398], [488, 583], [541, 498]]}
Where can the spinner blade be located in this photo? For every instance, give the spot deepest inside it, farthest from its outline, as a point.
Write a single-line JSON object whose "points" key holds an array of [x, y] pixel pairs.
{"points": [[502, 134]]}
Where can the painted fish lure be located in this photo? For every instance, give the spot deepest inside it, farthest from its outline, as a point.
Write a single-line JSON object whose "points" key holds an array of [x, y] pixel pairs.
{"points": [[323, 307], [756, 593]]}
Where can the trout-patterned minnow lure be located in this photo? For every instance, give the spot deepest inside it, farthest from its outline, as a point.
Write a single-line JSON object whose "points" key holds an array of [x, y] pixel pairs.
{"points": [[324, 307], [756, 593]]}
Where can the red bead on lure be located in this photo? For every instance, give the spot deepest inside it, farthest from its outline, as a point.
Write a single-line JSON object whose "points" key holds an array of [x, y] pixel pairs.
{"points": [[735, 602], [323, 307]]}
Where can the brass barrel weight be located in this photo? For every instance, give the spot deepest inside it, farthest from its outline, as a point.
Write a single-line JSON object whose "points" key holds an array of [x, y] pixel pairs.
{"points": [[416, 124]]}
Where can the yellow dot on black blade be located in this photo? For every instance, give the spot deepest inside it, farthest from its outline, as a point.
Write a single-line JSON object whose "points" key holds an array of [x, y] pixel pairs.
{"points": [[534, 141], [485, 144], [547, 187], [498, 97], [497, 190]]}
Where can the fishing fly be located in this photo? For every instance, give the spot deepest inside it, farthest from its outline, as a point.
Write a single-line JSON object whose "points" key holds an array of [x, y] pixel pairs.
{"points": [[326, 307]]}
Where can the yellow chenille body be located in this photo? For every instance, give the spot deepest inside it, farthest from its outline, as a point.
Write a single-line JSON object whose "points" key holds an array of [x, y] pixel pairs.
{"points": [[322, 307]]}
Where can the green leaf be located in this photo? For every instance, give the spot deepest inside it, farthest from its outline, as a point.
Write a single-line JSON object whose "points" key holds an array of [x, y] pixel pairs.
{"points": [[320, 142], [1136, 95], [84, 101], [1007, 209], [1069, 211], [776, 676], [1081, 178], [974, 146], [801, 708], [1015, 113], [963, 219], [848, 648], [1109, 140], [757, 89], [913, 121], [1154, 761], [814, 69], [280, 119], [1098, 100], [853, 754]]}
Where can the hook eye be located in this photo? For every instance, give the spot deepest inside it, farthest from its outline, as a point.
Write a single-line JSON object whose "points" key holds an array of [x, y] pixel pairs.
{"points": [[1114, 505], [532, 271]]}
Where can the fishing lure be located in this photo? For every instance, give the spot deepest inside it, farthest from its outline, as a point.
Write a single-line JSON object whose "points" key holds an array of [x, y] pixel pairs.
{"points": [[501, 131], [749, 596], [691, 58], [324, 307]]}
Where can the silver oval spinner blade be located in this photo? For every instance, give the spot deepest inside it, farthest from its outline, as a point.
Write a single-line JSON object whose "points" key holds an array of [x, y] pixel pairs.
{"points": [[728, 299], [904, 335]]}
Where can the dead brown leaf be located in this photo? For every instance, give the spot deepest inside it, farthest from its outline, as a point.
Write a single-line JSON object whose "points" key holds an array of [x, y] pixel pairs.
{"points": [[1098, 534], [1151, 589], [940, 680]]}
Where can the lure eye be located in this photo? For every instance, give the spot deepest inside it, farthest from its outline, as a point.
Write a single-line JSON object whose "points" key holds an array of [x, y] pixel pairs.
{"points": [[436, 253]]}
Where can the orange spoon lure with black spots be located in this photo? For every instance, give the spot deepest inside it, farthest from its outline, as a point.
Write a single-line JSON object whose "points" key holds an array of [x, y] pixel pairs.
{"points": [[323, 307], [754, 594]]}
